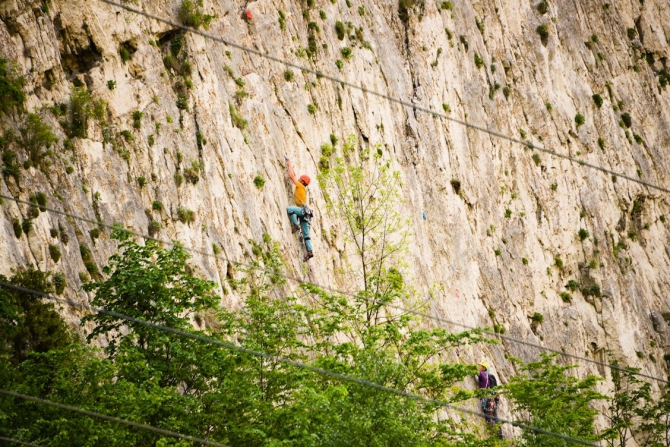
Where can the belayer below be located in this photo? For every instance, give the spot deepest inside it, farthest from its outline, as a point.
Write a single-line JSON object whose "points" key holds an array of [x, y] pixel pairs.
{"points": [[489, 403], [300, 214]]}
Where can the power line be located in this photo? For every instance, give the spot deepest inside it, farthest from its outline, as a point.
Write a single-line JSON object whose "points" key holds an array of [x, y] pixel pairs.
{"points": [[285, 361], [16, 441], [341, 292], [331, 78], [111, 418]]}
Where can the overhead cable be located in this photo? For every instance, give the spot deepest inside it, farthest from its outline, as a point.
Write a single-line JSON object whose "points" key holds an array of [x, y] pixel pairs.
{"points": [[360, 87], [274, 358], [334, 290], [111, 418]]}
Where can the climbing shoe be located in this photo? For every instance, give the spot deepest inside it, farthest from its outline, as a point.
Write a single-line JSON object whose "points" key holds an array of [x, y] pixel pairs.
{"points": [[309, 256], [294, 229]]}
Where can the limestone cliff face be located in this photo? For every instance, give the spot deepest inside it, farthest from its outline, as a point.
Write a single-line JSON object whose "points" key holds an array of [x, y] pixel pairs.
{"points": [[497, 217]]}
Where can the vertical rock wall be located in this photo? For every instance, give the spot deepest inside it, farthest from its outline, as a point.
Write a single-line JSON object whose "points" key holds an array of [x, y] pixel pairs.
{"points": [[500, 233]]}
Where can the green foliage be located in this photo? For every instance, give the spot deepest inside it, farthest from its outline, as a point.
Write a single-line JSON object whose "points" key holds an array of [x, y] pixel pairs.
{"points": [[598, 100], [288, 75], [54, 252], [35, 137], [583, 234], [26, 323], [11, 87], [340, 30], [237, 119], [479, 61], [346, 53], [446, 108], [543, 31], [579, 119], [142, 181], [59, 283], [282, 20], [549, 397], [632, 33], [572, 285], [543, 7], [311, 109], [626, 118], [137, 119], [185, 215], [94, 233], [536, 159], [125, 54], [154, 227], [190, 14], [537, 318], [157, 206], [111, 84], [82, 107], [632, 412], [601, 143], [449, 6], [362, 191], [524, 261], [259, 181], [566, 297]]}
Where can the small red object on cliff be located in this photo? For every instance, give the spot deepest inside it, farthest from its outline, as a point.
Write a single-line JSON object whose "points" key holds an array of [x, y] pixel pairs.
{"points": [[248, 15]]}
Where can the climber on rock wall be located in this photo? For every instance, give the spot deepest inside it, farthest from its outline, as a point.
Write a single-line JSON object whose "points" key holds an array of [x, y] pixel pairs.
{"points": [[300, 214]]}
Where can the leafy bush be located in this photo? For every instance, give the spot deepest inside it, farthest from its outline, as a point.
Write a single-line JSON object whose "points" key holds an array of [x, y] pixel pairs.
{"points": [[157, 206], [579, 119], [11, 87], [479, 62], [543, 31], [340, 30], [627, 120], [537, 318], [82, 107], [137, 119], [59, 283], [185, 215], [566, 297], [346, 52], [583, 234], [536, 159], [259, 181], [94, 233], [154, 227], [35, 136], [54, 252], [598, 100], [572, 285], [288, 75], [237, 119], [190, 14], [543, 7], [142, 181]]}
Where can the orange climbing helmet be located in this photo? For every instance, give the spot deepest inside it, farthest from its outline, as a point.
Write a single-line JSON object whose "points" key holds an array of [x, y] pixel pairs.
{"points": [[305, 179]]}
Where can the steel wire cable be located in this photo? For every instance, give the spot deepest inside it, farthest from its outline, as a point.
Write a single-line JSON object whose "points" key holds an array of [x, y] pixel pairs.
{"points": [[16, 441], [341, 292], [111, 418], [255, 353], [335, 79]]}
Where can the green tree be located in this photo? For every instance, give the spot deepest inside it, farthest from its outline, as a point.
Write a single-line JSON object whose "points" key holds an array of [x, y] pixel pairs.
{"points": [[632, 413], [26, 322], [152, 284], [364, 193], [553, 400]]}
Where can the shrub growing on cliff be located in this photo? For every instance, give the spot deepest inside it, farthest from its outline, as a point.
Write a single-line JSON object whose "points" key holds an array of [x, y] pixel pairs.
{"points": [[11, 87], [82, 107], [190, 14], [543, 31], [36, 136]]}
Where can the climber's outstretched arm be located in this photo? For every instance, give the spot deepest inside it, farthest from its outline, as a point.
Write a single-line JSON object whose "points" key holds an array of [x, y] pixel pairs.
{"points": [[291, 173]]}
